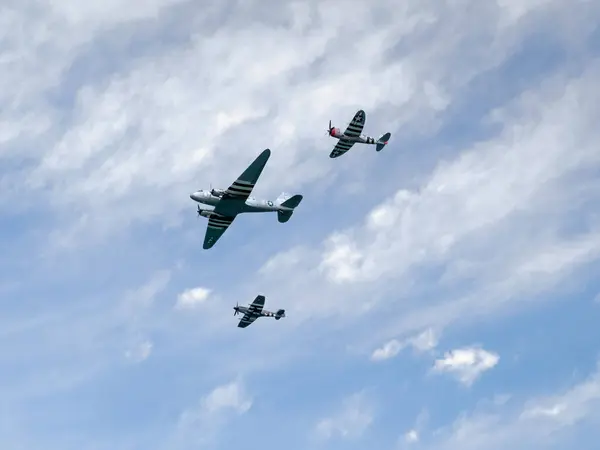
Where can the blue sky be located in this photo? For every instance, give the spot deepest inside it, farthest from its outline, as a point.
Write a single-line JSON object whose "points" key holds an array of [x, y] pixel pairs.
{"points": [[441, 294]]}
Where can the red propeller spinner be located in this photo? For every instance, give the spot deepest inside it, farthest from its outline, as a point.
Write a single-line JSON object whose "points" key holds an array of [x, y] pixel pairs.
{"points": [[331, 130]]}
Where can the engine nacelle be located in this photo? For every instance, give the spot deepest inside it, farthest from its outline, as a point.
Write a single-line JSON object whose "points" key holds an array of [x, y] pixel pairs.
{"points": [[206, 213], [217, 192]]}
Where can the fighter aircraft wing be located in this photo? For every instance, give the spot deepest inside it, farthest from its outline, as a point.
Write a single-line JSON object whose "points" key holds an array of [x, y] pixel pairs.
{"points": [[247, 320], [340, 148], [253, 312], [257, 305], [242, 187], [357, 125], [217, 225]]}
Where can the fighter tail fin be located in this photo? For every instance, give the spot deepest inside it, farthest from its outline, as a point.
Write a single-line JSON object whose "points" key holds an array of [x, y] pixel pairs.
{"points": [[292, 202], [382, 141], [279, 314]]}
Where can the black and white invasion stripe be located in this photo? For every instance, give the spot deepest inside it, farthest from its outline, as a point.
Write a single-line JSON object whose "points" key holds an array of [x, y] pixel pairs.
{"points": [[240, 188], [219, 222], [355, 127]]}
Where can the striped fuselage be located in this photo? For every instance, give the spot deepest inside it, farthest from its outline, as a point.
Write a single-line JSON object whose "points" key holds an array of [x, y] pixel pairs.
{"points": [[361, 139], [263, 313]]}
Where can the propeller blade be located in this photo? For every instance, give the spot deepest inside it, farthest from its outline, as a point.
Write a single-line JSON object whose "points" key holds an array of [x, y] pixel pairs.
{"points": [[199, 211]]}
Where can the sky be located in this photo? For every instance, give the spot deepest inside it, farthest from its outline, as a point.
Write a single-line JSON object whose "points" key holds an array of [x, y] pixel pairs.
{"points": [[440, 295]]}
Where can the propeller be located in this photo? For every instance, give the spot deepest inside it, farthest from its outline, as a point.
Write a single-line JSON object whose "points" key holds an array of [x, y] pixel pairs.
{"points": [[236, 309], [329, 129], [199, 211]]}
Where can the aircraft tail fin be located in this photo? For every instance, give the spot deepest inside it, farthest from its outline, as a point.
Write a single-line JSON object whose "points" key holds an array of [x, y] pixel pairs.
{"points": [[292, 202], [382, 141], [279, 314]]}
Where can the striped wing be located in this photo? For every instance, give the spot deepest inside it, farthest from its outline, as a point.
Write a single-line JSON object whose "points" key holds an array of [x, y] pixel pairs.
{"points": [[357, 125], [217, 225], [340, 148], [253, 312], [247, 320], [352, 131], [257, 305], [242, 187]]}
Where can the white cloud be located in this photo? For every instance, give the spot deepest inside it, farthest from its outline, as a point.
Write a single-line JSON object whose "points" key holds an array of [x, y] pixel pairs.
{"points": [[229, 397], [117, 154], [477, 191], [191, 298], [105, 130], [423, 342], [389, 350], [142, 297], [538, 424], [466, 363], [412, 436], [350, 422], [140, 352], [485, 212], [200, 426]]}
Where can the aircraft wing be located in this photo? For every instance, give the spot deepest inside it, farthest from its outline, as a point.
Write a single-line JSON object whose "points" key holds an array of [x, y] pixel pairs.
{"points": [[357, 125], [254, 311], [340, 148], [242, 187], [215, 229], [247, 320], [257, 305], [352, 131]]}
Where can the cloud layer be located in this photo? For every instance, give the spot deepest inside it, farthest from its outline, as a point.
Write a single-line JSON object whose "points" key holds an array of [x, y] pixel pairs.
{"points": [[477, 224]]}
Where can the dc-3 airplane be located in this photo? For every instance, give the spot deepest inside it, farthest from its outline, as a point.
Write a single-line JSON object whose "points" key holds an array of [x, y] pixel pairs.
{"points": [[227, 204], [254, 311], [352, 136]]}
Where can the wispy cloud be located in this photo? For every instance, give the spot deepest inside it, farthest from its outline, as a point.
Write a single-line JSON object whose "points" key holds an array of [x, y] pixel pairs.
{"points": [[467, 363], [540, 422], [425, 341], [191, 298], [483, 204], [354, 417], [201, 425]]}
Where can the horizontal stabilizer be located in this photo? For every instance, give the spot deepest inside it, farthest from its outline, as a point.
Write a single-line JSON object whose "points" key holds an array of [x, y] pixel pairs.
{"points": [[293, 201], [382, 141]]}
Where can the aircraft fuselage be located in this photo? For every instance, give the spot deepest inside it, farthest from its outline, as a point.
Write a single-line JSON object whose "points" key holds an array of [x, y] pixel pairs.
{"points": [[362, 139], [237, 206], [263, 313]]}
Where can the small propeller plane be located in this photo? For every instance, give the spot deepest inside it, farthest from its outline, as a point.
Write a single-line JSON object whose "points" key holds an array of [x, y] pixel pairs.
{"points": [[227, 204], [352, 136], [254, 311]]}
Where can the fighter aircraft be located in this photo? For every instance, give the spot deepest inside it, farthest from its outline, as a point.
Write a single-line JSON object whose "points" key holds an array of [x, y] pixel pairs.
{"points": [[352, 136], [234, 200], [254, 311]]}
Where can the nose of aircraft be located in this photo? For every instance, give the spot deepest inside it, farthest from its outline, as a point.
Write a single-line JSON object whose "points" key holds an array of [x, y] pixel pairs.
{"points": [[195, 195]]}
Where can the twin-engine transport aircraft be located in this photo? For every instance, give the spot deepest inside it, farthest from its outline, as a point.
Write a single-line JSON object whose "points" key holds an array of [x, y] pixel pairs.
{"points": [[254, 311], [227, 204], [352, 136]]}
